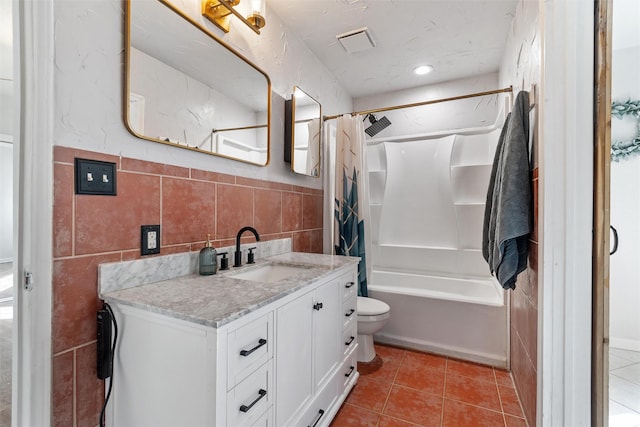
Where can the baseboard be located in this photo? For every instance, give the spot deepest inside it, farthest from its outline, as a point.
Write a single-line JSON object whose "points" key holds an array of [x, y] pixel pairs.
{"points": [[624, 344], [457, 353]]}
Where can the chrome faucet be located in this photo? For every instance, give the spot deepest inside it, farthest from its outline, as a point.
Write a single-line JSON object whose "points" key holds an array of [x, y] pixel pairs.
{"points": [[237, 262]]}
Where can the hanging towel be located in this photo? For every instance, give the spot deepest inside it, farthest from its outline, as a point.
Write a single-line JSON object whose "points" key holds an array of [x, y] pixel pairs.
{"points": [[507, 216]]}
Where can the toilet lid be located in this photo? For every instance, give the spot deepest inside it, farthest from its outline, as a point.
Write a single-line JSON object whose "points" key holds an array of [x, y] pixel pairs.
{"points": [[371, 307]]}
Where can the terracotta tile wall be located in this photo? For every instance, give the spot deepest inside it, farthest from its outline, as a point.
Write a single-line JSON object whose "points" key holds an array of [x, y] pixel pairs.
{"points": [[524, 323], [188, 204]]}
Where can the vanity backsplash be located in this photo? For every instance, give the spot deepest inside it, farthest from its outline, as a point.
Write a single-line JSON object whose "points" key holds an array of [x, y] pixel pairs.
{"points": [[117, 276]]}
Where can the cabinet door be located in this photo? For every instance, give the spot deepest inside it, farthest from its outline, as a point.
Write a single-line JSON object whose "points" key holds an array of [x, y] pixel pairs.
{"points": [[294, 383], [327, 331]]}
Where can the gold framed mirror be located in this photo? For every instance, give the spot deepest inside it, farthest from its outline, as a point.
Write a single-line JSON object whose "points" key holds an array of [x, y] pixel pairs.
{"points": [[303, 133], [186, 88]]}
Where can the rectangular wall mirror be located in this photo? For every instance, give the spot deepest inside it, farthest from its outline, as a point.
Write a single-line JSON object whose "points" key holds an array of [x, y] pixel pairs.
{"points": [[185, 87], [303, 133]]}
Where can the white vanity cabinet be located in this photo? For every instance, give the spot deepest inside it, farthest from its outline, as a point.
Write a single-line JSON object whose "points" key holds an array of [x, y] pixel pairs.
{"points": [[284, 363], [170, 372], [310, 368]]}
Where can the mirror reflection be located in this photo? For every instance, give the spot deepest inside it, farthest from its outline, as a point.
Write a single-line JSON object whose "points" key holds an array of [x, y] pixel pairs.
{"points": [[185, 87], [303, 133]]}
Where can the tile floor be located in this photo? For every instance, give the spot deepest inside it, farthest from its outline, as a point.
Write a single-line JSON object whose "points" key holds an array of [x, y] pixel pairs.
{"points": [[6, 326], [624, 388], [6, 336], [408, 388]]}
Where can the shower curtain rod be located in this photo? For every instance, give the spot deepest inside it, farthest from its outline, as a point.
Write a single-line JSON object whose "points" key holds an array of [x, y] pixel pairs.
{"points": [[418, 104], [240, 128]]}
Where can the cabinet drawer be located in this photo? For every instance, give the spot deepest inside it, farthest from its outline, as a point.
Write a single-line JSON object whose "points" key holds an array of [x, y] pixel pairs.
{"points": [[249, 400], [265, 420], [348, 286], [349, 369], [349, 338], [318, 412], [248, 348], [349, 313]]}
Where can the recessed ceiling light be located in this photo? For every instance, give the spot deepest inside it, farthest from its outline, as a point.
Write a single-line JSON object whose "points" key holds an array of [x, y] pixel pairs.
{"points": [[423, 69]]}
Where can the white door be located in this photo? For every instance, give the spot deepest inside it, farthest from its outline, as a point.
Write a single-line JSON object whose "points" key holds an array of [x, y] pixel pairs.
{"points": [[326, 331], [32, 132], [624, 271], [6, 216], [294, 383]]}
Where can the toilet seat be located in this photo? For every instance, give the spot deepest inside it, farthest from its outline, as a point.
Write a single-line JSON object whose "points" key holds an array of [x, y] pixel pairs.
{"points": [[371, 307]]}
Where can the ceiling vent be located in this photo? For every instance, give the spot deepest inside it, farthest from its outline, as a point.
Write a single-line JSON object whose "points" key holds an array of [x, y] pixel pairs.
{"points": [[356, 40]]}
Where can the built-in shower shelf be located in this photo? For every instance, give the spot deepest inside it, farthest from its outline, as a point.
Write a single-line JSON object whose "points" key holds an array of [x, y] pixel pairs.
{"points": [[376, 185], [469, 203], [469, 183], [375, 204]]}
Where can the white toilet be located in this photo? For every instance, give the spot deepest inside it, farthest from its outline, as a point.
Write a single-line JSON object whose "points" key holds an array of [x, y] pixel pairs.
{"points": [[372, 315]]}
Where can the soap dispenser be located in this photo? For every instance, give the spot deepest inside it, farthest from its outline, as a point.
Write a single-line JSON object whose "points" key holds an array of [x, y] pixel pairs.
{"points": [[208, 259]]}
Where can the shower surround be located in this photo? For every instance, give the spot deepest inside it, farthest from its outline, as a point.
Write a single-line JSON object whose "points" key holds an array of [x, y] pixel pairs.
{"points": [[427, 197]]}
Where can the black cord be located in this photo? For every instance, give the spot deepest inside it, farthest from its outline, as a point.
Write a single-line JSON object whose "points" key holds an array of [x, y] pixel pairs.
{"points": [[113, 353]]}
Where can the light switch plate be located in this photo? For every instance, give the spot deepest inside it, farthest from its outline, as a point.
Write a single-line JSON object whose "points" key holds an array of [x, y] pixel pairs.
{"points": [[95, 177], [150, 239]]}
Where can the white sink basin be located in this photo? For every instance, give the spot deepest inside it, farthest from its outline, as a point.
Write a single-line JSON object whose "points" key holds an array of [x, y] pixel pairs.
{"points": [[269, 273]]}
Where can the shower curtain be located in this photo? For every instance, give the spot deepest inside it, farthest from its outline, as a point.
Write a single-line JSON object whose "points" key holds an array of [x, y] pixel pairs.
{"points": [[350, 195]]}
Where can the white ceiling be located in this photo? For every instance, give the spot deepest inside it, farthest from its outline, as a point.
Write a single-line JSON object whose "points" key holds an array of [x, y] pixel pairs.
{"points": [[459, 38]]}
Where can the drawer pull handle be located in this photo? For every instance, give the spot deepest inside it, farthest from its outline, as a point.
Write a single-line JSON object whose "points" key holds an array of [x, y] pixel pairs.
{"points": [[320, 414], [350, 313], [317, 306], [261, 342], [349, 284], [262, 393], [348, 374], [350, 340]]}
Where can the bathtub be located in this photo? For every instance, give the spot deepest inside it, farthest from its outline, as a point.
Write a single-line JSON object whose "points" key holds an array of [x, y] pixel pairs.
{"points": [[462, 318]]}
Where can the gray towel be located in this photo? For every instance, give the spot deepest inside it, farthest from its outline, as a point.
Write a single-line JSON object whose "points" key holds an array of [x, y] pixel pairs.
{"points": [[507, 215]]}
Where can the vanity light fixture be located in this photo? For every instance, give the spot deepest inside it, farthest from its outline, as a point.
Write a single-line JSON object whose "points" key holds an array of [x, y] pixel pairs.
{"points": [[219, 12], [423, 69]]}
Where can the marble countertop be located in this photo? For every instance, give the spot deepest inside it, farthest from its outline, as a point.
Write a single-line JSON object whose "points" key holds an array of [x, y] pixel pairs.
{"points": [[219, 299]]}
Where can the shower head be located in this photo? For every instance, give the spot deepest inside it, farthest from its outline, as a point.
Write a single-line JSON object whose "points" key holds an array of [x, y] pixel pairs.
{"points": [[376, 125]]}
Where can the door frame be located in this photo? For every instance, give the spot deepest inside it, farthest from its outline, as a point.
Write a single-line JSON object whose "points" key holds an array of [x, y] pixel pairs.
{"points": [[601, 217], [33, 29]]}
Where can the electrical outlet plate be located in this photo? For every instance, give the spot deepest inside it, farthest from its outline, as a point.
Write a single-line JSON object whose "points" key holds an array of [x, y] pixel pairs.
{"points": [[150, 240], [95, 177]]}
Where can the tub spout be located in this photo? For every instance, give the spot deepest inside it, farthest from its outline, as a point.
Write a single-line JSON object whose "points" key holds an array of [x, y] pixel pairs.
{"points": [[238, 254]]}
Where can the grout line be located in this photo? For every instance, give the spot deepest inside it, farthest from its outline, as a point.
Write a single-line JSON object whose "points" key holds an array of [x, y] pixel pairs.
{"points": [[75, 390], [401, 420], [118, 251], [524, 415], [73, 219], [384, 405], [444, 390], [476, 406], [74, 348], [504, 417], [393, 383]]}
